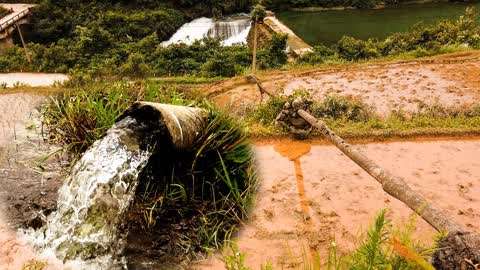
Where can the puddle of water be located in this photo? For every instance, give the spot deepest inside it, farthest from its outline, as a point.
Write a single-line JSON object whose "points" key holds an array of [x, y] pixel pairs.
{"points": [[294, 151]]}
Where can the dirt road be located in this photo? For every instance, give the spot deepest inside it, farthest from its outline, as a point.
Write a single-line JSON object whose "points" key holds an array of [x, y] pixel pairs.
{"points": [[448, 80]]}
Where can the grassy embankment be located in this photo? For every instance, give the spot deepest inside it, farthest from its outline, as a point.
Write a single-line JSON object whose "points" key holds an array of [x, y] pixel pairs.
{"points": [[351, 118]]}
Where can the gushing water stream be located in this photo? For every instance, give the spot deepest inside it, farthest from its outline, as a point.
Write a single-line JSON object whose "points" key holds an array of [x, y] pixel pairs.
{"points": [[94, 198], [86, 230], [230, 31]]}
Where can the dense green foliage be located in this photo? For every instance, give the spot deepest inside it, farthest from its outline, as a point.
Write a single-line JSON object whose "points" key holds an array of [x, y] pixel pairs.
{"points": [[98, 38], [284, 4], [94, 52], [421, 40]]}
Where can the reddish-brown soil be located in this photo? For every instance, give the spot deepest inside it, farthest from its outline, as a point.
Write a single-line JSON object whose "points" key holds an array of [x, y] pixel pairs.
{"points": [[449, 80], [29, 175], [312, 195]]}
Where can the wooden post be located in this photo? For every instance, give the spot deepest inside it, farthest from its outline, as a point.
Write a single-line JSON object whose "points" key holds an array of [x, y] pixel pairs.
{"points": [[23, 43], [459, 250], [391, 184], [254, 61], [253, 79]]}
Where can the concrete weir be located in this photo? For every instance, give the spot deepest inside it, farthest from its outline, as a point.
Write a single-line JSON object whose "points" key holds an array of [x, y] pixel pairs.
{"points": [[295, 44]]}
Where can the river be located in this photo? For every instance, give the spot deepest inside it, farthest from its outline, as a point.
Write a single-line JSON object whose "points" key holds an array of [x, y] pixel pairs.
{"points": [[329, 26]]}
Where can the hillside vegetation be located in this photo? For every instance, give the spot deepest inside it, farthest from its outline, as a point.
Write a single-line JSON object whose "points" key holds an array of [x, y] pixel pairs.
{"points": [[285, 4], [92, 39]]}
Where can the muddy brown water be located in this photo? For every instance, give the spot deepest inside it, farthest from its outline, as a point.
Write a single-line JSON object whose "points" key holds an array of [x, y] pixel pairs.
{"points": [[312, 195]]}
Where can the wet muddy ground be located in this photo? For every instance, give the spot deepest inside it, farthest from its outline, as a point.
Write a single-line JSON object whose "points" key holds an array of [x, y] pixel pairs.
{"points": [[29, 175], [450, 80], [311, 195]]}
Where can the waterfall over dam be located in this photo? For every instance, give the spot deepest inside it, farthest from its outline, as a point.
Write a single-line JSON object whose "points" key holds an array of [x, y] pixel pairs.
{"points": [[230, 31]]}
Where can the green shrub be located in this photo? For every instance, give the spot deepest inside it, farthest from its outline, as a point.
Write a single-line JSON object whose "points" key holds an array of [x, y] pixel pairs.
{"points": [[258, 13], [219, 65], [319, 55], [355, 49], [274, 55], [339, 107], [135, 66]]}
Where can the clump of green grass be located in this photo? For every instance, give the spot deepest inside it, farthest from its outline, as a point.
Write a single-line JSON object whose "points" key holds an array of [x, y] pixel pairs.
{"points": [[351, 118], [333, 107], [388, 248], [80, 115], [197, 198], [345, 108], [381, 247]]}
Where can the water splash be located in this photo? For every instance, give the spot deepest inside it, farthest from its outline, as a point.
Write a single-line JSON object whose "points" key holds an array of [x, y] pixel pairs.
{"points": [[232, 30], [86, 231], [83, 232]]}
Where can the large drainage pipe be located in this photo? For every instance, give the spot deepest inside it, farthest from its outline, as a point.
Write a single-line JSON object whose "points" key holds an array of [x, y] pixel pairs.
{"points": [[183, 123]]}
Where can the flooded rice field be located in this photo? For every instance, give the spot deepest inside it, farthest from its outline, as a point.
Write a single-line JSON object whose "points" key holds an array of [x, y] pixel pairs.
{"points": [[312, 195], [449, 81]]}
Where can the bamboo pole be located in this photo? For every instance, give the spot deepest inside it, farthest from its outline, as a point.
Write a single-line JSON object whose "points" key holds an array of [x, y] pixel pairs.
{"points": [[391, 184], [253, 79], [255, 39], [23, 43]]}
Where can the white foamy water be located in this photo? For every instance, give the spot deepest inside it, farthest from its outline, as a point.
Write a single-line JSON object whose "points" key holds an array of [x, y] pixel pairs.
{"points": [[83, 232], [231, 31]]}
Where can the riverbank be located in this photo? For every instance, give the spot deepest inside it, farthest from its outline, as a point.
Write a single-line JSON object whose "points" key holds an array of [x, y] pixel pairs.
{"points": [[328, 26], [382, 6]]}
